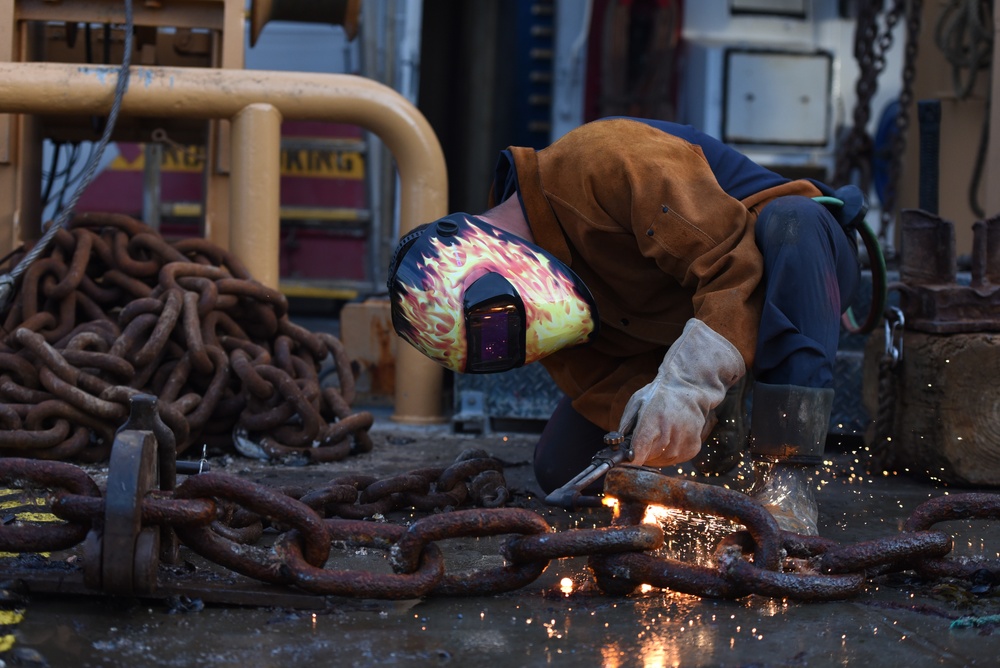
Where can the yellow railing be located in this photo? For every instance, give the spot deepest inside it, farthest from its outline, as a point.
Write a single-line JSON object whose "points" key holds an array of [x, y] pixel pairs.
{"points": [[256, 102]]}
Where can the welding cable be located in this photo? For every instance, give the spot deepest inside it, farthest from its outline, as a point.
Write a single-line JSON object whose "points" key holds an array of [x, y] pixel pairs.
{"points": [[964, 36], [880, 284], [8, 281]]}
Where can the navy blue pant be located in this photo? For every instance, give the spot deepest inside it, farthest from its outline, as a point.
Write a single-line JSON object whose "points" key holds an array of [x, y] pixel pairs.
{"points": [[811, 276]]}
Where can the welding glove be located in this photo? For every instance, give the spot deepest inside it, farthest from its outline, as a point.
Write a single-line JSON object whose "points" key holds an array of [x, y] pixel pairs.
{"points": [[671, 414]]}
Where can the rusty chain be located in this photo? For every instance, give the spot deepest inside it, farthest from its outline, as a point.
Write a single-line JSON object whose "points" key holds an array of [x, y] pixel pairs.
{"points": [[114, 310], [871, 45], [211, 513]]}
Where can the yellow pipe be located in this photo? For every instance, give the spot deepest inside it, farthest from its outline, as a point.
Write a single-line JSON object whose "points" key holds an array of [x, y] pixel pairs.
{"points": [[255, 189], [57, 88]]}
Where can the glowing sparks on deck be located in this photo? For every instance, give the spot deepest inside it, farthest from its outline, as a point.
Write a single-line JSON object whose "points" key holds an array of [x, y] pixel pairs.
{"points": [[689, 536]]}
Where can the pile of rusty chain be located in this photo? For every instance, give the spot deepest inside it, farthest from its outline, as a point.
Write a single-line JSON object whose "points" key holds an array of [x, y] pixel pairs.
{"points": [[114, 310], [758, 559]]}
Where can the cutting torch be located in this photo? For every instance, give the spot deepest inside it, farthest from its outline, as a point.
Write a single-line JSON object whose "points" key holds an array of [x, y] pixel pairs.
{"points": [[618, 449]]}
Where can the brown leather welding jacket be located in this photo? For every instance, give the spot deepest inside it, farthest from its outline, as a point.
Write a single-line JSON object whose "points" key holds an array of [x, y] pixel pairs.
{"points": [[639, 215]]}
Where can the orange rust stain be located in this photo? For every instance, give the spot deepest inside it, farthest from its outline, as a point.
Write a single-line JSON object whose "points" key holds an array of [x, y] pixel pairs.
{"points": [[383, 369]]}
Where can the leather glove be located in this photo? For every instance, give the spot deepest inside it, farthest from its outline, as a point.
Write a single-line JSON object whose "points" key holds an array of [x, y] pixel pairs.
{"points": [[671, 413]]}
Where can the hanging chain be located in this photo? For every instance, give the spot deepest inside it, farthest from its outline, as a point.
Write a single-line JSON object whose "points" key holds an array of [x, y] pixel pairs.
{"points": [[856, 151], [869, 50], [898, 147]]}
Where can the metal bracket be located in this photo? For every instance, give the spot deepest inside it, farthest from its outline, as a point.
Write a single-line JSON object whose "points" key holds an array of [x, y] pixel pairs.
{"points": [[471, 415], [894, 323], [122, 557], [929, 294]]}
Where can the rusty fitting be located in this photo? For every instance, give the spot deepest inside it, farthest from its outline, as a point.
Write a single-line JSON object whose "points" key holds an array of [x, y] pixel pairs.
{"points": [[927, 251], [930, 296]]}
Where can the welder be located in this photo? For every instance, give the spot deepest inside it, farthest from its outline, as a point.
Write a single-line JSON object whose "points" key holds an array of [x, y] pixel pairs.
{"points": [[658, 275]]}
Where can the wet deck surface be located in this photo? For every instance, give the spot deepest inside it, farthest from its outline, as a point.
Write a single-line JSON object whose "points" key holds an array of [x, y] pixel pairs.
{"points": [[897, 620]]}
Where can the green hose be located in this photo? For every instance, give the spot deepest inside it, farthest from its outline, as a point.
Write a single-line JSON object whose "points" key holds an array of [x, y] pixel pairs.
{"points": [[880, 284]]}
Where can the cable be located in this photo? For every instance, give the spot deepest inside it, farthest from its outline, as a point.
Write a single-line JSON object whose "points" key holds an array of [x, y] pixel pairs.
{"points": [[72, 176], [880, 284], [8, 281], [964, 35], [50, 178]]}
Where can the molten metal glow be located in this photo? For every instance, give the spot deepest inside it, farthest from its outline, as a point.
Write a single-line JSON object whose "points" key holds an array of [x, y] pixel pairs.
{"points": [[557, 316], [691, 536], [659, 515], [612, 503]]}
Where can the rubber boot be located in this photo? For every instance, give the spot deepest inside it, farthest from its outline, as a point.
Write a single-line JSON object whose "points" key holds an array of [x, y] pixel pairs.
{"points": [[724, 448], [788, 431]]}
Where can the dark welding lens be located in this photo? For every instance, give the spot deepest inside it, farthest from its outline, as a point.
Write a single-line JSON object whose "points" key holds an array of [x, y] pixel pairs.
{"points": [[494, 325], [494, 339], [492, 329]]}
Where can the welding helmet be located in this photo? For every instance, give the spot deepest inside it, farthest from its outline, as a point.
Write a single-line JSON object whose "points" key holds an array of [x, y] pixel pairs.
{"points": [[478, 299]]}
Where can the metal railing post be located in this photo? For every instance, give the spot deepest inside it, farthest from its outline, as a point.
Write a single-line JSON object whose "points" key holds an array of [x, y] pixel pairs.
{"points": [[255, 191]]}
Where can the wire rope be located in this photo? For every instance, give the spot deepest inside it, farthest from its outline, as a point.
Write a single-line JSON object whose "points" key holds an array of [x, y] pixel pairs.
{"points": [[8, 281]]}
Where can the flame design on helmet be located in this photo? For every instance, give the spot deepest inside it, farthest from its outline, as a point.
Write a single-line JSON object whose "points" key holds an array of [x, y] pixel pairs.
{"points": [[429, 284]]}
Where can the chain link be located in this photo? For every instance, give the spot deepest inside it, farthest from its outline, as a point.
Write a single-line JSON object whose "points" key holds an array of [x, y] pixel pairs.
{"points": [[622, 556], [114, 310], [856, 150]]}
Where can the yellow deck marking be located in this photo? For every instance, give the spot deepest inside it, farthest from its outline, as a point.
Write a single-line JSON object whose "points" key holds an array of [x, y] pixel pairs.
{"points": [[21, 502], [9, 618], [14, 503], [43, 518]]}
